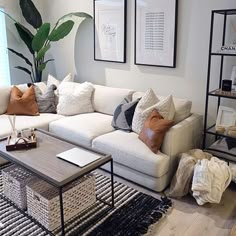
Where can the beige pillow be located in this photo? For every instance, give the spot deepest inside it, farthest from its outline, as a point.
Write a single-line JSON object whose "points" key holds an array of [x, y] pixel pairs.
{"points": [[147, 104]]}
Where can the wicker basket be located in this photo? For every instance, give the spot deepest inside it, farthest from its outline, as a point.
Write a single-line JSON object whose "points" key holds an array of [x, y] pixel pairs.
{"points": [[14, 184], [43, 200]]}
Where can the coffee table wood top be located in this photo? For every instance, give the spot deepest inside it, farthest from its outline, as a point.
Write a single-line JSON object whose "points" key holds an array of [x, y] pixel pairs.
{"points": [[43, 162]]}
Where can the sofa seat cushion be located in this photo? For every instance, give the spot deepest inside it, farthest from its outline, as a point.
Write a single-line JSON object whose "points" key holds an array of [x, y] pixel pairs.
{"points": [[23, 122], [127, 149], [82, 128]]}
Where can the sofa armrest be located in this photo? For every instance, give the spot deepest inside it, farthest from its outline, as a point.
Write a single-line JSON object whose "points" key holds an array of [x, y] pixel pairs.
{"points": [[183, 136]]}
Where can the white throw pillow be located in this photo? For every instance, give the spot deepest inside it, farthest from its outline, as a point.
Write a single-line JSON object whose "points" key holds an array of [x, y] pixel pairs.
{"points": [[53, 80], [145, 106], [75, 98]]}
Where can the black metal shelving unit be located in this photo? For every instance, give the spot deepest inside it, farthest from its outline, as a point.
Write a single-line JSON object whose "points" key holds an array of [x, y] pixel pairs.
{"points": [[217, 93]]}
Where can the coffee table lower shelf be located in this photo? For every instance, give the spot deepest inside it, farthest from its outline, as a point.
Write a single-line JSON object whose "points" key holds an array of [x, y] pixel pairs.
{"points": [[62, 229]]}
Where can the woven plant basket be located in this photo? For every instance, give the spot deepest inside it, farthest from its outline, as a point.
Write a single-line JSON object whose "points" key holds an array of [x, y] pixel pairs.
{"points": [[14, 184], [43, 200]]}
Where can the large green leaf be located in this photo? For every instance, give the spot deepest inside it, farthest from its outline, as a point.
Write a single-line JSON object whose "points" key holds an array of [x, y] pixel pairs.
{"points": [[25, 35], [78, 14], [21, 56], [61, 31], [23, 69], [41, 37], [42, 52], [30, 13]]}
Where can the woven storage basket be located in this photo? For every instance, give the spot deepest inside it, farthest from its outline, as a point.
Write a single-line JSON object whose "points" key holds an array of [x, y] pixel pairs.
{"points": [[14, 184], [43, 200]]}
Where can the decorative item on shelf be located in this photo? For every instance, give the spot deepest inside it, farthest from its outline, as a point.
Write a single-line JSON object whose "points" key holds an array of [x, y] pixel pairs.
{"points": [[226, 85], [231, 131], [225, 122], [230, 49], [220, 129], [224, 93], [233, 78], [38, 38]]}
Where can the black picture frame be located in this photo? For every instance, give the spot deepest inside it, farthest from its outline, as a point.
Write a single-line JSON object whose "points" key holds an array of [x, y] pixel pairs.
{"points": [[118, 27], [145, 60]]}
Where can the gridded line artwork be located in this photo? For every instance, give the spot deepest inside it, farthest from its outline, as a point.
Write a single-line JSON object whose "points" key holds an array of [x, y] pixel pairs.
{"points": [[154, 30]]}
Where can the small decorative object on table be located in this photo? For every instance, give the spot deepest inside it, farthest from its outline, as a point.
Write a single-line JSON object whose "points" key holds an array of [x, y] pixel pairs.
{"points": [[20, 140]]}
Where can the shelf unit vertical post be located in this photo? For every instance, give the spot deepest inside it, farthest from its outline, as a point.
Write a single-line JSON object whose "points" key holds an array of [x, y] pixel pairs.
{"points": [[208, 79]]}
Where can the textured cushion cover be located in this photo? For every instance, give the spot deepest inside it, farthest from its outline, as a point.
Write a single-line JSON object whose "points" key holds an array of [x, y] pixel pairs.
{"points": [[106, 99], [154, 130], [145, 106], [23, 122], [46, 101], [75, 98], [82, 128], [123, 115], [22, 103], [182, 106]]}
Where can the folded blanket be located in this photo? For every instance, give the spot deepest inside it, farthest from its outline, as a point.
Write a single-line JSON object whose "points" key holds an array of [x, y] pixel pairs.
{"points": [[210, 179], [181, 182]]}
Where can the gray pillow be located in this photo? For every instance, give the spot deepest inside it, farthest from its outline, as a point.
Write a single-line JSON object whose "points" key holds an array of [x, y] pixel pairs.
{"points": [[123, 115], [47, 101]]}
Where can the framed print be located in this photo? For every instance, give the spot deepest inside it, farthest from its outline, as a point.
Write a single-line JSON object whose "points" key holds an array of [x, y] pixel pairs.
{"points": [[110, 30], [233, 78], [226, 117], [156, 32]]}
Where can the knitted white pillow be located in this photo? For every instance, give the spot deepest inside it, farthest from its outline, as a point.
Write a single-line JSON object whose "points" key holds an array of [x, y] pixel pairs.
{"points": [[75, 98], [146, 105]]}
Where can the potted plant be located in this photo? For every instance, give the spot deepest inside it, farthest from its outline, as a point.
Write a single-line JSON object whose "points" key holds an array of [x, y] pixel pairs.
{"points": [[39, 41]]}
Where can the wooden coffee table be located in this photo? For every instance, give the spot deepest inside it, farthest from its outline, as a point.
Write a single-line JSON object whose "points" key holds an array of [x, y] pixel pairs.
{"points": [[43, 163]]}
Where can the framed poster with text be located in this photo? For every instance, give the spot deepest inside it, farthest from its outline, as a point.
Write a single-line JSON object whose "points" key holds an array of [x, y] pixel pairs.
{"points": [[156, 32], [110, 30]]}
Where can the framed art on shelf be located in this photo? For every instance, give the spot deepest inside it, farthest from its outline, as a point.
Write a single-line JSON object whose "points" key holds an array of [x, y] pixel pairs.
{"points": [[226, 117], [233, 78], [110, 30], [156, 32]]}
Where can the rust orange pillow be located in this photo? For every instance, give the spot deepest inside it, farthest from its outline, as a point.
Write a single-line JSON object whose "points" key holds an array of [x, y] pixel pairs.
{"points": [[154, 130], [22, 103]]}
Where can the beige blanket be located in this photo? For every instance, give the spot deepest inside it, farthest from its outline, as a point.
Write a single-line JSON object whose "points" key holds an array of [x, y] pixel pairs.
{"points": [[181, 182]]}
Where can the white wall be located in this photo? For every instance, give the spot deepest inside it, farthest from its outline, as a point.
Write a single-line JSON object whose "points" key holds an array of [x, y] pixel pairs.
{"points": [[187, 80], [14, 41]]}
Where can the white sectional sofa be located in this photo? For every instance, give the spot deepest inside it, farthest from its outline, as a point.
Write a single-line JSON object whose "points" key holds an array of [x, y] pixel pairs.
{"points": [[133, 160]]}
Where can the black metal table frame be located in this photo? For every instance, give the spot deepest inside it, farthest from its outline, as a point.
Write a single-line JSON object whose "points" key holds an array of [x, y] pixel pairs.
{"points": [[60, 188]]}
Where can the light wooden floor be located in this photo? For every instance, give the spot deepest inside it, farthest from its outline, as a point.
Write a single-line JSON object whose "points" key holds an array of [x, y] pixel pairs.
{"points": [[188, 219]]}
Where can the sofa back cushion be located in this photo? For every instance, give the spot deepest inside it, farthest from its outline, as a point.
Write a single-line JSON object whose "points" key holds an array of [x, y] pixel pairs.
{"points": [[182, 106], [106, 99], [6, 91], [4, 98]]}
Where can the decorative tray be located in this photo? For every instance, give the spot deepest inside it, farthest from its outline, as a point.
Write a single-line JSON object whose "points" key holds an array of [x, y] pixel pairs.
{"points": [[21, 143]]}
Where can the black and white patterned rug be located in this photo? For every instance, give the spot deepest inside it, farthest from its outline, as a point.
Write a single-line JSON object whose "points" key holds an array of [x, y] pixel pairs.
{"points": [[133, 214]]}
